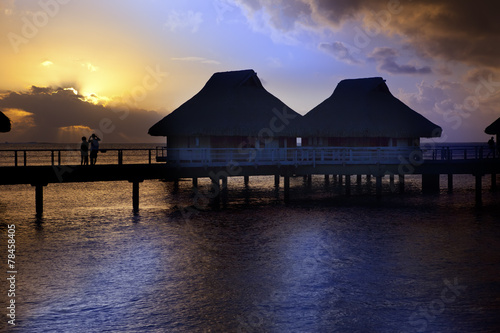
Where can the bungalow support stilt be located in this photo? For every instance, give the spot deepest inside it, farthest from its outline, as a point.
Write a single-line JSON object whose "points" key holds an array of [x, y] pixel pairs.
{"points": [[450, 183], [277, 186], [401, 183], [358, 180], [216, 189], [327, 180], [493, 182], [347, 185], [195, 182], [216, 185], [224, 190], [246, 180], [379, 186], [286, 188]]}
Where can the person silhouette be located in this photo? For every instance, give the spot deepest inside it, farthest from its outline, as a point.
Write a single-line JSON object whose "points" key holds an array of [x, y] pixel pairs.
{"points": [[491, 145], [94, 148], [84, 151]]}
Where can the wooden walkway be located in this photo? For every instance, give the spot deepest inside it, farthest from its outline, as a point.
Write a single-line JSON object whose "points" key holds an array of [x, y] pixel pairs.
{"points": [[220, 164]]}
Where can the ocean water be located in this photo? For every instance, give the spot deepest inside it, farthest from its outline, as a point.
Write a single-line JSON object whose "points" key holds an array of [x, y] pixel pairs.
{"points": [[323, 262]]}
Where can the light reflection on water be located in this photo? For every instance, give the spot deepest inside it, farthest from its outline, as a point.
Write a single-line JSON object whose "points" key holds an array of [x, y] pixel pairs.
{"points": [[323, 263]]}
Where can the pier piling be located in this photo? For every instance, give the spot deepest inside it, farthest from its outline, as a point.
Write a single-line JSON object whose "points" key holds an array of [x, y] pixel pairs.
{"points": [[379, 186], [135, 194], [347, 185], [479, 188], [286, 188], [39, 198]]}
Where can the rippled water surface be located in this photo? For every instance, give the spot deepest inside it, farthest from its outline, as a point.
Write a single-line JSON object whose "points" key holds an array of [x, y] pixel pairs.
{"points": [[322, 263]]}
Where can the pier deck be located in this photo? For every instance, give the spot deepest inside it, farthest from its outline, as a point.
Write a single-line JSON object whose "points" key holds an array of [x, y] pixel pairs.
{"points": [[219, 164]]}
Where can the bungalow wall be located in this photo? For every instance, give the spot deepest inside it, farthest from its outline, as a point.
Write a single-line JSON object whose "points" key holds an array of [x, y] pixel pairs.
{"points": [[359, 142], [185, 148], [221, 142]]}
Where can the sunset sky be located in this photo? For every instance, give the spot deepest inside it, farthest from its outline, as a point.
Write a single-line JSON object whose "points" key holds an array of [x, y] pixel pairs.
{"points": [[116, 67]]}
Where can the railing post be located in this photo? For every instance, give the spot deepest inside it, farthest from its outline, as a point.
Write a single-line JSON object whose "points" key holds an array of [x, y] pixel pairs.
{"points": [[58, 157], [52, 156], [25, 158], [149, 153], [15, 158], [120, 157]]}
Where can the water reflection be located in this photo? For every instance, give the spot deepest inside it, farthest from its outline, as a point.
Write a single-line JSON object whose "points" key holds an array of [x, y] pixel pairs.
{"points": [[315, 265]]}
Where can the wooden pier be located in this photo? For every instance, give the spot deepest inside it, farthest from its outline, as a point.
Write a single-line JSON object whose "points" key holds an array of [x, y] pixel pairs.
{"points": [[219, 164]]}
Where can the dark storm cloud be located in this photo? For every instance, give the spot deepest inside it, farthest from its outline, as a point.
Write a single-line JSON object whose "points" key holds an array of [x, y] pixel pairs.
{"points": [[54, 108], [459, 30], [386, 59]]}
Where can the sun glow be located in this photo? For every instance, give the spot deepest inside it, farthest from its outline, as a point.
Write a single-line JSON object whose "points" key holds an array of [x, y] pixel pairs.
{"points": [[73, 90], [20, 116], [95, 99], [73, 133]]}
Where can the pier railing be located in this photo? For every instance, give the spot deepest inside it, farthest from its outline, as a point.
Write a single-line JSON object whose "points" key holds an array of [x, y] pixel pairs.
{"points": [[318, 156], [454, 153], [34, 157], [248, 156]]}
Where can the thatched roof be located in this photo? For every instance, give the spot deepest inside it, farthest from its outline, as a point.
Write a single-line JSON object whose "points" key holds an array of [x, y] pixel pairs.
{"points": [[366, 108], [4, 123], [230, 104], [494, 128]]}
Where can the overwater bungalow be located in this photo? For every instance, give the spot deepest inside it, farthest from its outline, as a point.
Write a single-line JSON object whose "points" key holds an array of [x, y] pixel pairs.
{"points": [[4, 123], [364, 113], [231, 113], [494, 129]]}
